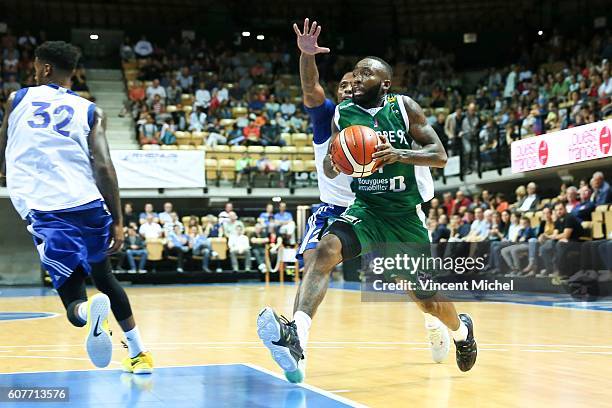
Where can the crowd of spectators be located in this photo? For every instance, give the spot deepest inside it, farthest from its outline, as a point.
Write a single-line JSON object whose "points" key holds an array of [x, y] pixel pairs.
{"points": [[529, 237], [190, 237], [556, 84], [559, 82], [219, 80]]}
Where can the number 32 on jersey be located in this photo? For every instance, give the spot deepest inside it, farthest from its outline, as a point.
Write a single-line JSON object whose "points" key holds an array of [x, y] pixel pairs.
{"points": [[62, 115]]}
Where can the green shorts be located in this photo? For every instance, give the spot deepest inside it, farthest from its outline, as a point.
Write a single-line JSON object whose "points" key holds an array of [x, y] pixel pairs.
{"points": [[401, 236]]}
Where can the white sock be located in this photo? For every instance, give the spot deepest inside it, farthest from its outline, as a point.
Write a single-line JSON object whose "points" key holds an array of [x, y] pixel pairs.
{"points": [[82, 311], [134, 342], [461, 333], [431, 321], [303, 322]]}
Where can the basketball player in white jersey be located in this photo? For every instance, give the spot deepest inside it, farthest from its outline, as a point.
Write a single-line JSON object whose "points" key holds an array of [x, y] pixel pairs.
{"points": [[336, 196], [61, 180]]}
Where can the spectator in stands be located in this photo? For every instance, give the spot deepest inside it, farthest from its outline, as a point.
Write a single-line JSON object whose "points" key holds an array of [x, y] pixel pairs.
{"points": [[130, 219], [601, 189], [174, 92], [460, 201], [235, 136], [134, 246], [501, 203], [212, 228], [447, 203], [148, 132], [126, 51], [287, 108], [214, 134], [252, 133], [439, 128], [10, 86], [565, 237], [284, 168], [439, 230], [267, 217], [513, 254], [272, 106], [499, 226], [239, 244], [137, 92], [520, 194], [200, 245], [143, 48], [571, 198], [531, 201], [185, 79], [202, 96], [488, 142], [583, 210], [166, 215], [259, 240], [469, 127], [511, 81], [452, 127], [169, 226], [198, 119], [271, 134], [177, 245], [509, 238], [264, 165], [243, 167], [224, 215], [150, 229], [284, 222], [168, 131], [155, 89], [157, 106], [479, 229], [148, 210], [229, 227]]}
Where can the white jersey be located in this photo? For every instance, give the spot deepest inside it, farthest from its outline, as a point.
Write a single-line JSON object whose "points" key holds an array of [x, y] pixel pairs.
{"points": [[48, 166], [336, 191]]}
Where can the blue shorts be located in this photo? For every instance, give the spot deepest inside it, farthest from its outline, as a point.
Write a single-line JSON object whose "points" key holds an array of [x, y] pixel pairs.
{"points": [[71, 238], [317, 222]]}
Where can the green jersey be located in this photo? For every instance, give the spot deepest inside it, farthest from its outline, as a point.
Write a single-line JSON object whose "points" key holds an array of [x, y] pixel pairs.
{"points": [[397, 187]]}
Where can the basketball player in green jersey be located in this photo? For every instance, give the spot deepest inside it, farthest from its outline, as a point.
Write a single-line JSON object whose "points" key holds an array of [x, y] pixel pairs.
{"points": [[386, 210]]}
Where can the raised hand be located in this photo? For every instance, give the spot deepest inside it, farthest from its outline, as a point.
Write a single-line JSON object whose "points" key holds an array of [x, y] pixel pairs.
{"points": [[307, 40]]}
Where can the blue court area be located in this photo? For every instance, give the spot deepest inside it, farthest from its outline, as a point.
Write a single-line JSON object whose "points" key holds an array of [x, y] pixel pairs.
{"points": [[232, 385]]}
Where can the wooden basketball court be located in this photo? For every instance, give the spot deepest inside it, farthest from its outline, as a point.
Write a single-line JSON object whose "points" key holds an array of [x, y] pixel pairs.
{"points": [[373, 354]]}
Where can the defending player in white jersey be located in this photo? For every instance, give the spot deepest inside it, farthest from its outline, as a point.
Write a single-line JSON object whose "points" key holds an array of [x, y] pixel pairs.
{"points": [[336, 196], [61, 179]]}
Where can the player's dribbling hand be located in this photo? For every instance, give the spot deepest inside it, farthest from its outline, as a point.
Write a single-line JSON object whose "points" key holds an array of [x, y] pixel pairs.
{"points": [[385, 153], [117, 241], [307, 41]]}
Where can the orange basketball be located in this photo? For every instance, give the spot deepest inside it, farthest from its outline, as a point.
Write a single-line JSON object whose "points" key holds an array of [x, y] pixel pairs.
{"points": [[352, 151]]}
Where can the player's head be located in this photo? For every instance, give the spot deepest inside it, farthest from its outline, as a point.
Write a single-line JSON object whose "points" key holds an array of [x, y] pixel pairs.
{"points": [[371, 80], [55, 61], [345, 87]]}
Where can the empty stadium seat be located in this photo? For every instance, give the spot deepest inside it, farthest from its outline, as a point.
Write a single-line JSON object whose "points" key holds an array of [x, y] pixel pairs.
{"points": [[238, 149], [310, 165], [186, 147], [299, 139], [219, 245], [298, 166], [169, 147], [289, 150], [186, 99], [171, 108], [227, 169], [155, 249], [287, 138], [255, 149], [212, 167], [150, 147], [239, 111]]}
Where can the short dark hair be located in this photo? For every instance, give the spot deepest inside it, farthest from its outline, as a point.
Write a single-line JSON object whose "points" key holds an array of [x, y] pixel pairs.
{"points": [[61, 55], [385, 64]]}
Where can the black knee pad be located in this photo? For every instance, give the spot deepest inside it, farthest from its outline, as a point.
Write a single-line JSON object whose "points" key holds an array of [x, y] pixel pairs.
{"points": [[351, 247], [71, 313]]}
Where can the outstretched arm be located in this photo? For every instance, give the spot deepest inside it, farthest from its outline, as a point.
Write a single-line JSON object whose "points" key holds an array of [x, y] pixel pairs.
{"points": [[4, 133], [105, 175], [313, 92], [432, 152]]}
